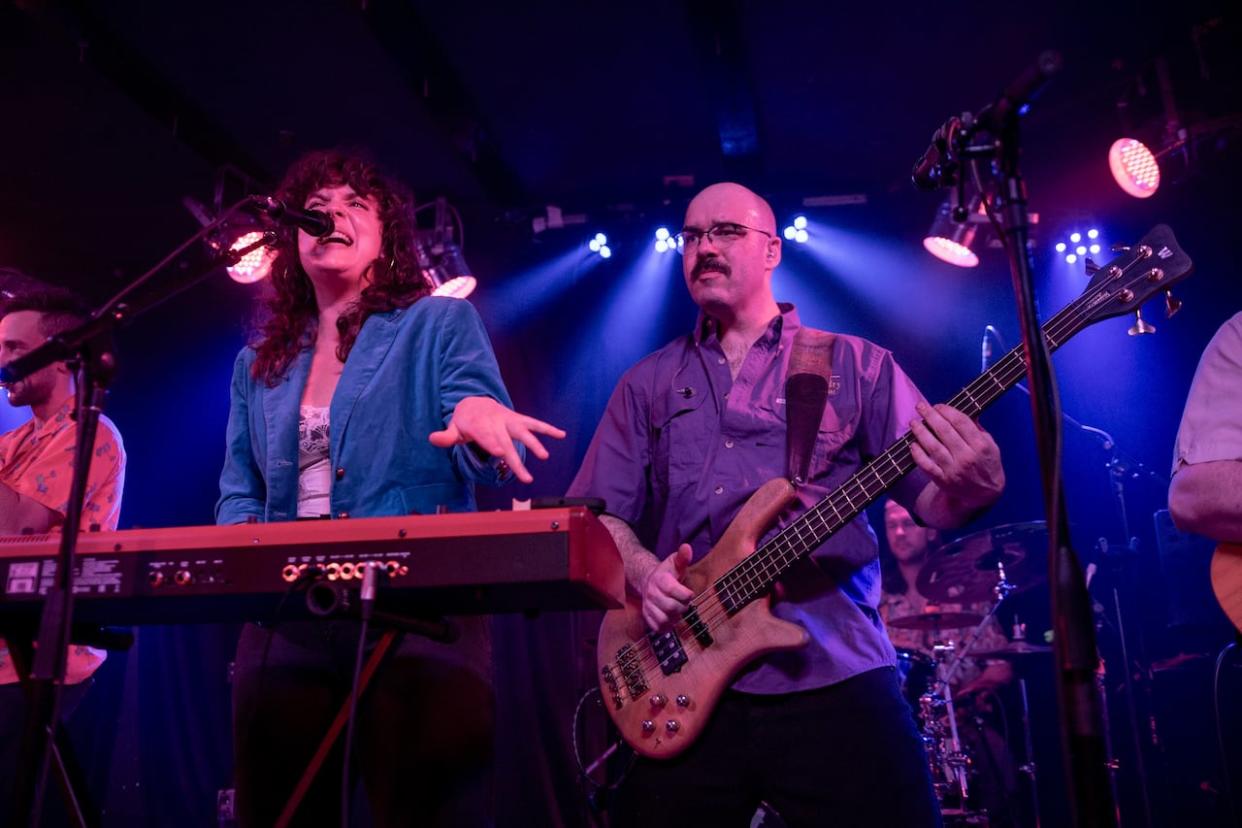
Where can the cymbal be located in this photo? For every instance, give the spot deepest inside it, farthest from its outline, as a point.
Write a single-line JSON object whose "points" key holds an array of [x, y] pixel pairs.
{"points": [[935, 621], [964, 571], [1014, 649]]}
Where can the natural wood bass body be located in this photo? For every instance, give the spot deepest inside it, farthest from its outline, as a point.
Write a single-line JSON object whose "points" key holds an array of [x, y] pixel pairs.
{"points": [[1227, 580], [675, 708]]}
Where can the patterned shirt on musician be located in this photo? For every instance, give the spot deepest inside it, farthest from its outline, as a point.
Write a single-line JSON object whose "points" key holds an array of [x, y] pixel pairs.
{"points": [[36, 460]]}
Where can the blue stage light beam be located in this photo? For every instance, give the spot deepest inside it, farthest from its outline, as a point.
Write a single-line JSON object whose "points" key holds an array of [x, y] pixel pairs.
{"points": [[626, 323], [525, 294], [875, 269]]}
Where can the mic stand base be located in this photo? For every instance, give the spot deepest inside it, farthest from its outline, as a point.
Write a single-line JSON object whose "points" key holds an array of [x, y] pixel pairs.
{"points": [[441, 630]]}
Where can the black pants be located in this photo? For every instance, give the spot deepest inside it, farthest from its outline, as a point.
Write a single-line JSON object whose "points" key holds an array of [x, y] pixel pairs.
{"points": [[845, 755], [422, 740]]}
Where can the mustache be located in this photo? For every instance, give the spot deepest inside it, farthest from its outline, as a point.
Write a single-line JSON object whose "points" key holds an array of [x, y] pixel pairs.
{"points": [[710, 263]]}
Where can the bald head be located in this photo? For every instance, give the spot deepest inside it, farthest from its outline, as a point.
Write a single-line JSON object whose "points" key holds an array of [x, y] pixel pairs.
{"points": [[729, 269], [727, 201]]}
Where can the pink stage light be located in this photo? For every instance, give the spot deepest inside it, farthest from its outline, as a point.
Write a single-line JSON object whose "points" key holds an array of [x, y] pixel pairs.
{"points": [[1134, 167], [255, 265], [950, 251]]}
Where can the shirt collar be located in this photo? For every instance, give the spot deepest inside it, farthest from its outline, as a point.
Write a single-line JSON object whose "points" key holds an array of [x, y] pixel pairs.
{"points": [[784, 324]]}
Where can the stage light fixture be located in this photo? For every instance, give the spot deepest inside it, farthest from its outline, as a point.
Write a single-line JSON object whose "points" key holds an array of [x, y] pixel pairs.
{"points": [[255, 265], [1077, 244], [1134, 167], [797, 231], [664, 241], [598, 244], [439, 255], [950, 240]]}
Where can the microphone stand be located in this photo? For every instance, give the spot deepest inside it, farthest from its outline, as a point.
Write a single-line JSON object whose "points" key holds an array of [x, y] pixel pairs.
{"points": [[1119, 466], [88, 350], [1081, 722]]}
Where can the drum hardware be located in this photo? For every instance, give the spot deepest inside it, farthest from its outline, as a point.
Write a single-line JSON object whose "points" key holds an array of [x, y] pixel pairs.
{"points": [[935, 621], [969, 569]]}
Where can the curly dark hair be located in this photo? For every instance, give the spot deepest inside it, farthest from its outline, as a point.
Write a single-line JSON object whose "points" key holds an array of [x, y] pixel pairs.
{"points": [[395, 280]]}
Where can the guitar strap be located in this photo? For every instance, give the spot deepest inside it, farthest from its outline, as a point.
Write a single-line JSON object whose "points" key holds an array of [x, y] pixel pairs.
{"points": [[806, 394]]}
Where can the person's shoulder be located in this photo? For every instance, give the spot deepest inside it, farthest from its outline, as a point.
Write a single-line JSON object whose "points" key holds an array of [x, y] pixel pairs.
{"points": [[433, 312], [246, 355], [667, 357], [109, 433], [1232, 327], [855, 350]]}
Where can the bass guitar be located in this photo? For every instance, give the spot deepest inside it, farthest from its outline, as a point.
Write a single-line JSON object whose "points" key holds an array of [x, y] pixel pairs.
{"points": [[1227, 580], [660, 687]]}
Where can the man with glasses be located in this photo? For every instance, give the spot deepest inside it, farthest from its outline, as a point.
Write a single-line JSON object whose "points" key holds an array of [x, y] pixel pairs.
{"points": [[820, 733]]}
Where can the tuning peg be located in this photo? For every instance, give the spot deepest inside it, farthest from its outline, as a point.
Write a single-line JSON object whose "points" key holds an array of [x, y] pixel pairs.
{"points": [[1089, 264], [1171, 304], [1140, 327]]}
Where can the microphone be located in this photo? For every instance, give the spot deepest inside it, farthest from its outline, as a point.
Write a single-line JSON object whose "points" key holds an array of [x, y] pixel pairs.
{"points": [[937, 166], [312, 222], [930, 171], [1021, 91]]}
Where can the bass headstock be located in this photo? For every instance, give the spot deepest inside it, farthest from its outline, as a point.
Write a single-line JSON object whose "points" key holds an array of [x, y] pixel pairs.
{"points": [[1153, 265]]}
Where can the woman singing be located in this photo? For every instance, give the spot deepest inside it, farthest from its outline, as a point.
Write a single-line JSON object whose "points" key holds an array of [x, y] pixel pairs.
{"points": [[364, 396]]}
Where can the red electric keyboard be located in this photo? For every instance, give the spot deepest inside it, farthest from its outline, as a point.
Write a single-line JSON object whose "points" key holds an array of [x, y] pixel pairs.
{"points": [[480, 562]]}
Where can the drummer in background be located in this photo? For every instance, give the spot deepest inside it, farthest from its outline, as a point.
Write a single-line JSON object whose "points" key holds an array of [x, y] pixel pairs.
{"points": [[974, 680], [909, 545]]}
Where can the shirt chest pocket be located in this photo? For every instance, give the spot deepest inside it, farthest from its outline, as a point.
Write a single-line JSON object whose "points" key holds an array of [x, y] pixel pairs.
{"points": [[679, 436], [834, 442]]}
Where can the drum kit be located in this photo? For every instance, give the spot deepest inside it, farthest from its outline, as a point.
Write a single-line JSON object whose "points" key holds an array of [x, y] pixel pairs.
{"points": [[983, 568]]}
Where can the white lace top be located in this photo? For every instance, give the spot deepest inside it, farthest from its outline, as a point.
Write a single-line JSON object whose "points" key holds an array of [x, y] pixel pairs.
{"points": [[314, 463]]}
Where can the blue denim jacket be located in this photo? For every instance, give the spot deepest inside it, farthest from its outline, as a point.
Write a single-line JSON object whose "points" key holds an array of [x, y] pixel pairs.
{"points": [[406, 373]]}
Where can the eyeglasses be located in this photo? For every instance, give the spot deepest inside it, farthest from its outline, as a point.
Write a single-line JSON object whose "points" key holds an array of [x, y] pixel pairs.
{"points": [[721, 235]]}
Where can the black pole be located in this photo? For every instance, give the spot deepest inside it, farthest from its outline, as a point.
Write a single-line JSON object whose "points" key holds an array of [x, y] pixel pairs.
{"points": [[1074, 642], [94, 370], [88, 348]]}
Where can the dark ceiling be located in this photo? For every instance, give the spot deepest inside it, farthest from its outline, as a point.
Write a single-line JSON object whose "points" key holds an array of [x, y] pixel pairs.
{"points": [[116, 111]]}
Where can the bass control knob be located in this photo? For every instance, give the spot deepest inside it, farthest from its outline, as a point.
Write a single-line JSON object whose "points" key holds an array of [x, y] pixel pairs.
{"points": [[659, 700], [683, 700], [672, 725], [648, 727]]}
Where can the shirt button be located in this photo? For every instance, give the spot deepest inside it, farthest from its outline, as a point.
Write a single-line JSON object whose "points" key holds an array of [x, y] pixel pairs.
{"points": [[728, 444], [340, 473], [720, 490]]}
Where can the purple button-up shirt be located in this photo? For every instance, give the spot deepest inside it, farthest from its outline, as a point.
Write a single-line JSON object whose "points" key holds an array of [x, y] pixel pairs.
{"points": [[682, 445]]}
